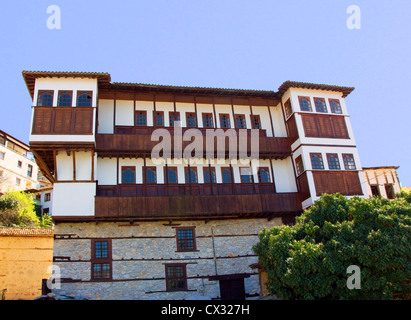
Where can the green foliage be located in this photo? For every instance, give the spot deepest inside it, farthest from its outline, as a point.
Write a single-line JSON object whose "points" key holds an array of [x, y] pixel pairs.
{"points": [[17, 209], [309, 260]]}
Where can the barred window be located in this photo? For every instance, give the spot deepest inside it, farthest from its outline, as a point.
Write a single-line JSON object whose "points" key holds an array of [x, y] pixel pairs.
{"points": [[245, 175], [335, 105], [320, 105], [174, 116], [45, 98], [191, 175], [299, 165], [151, 175], [263, 175], [128, 174], [305, 104], [255, 121], [288, 109], [176, 277], [84, 99], [191, 120], [208, 120], [226, 175], [225, 121], [349, 162], [186, 239], [240, 121], [317, 161], [209, 178], [141, 118], [101, 259], [65, 98], [333, 162], [159, 118]]}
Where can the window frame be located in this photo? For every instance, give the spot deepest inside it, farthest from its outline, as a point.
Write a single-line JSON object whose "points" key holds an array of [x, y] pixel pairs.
{"points": [[191, 116], [332, 109], [225, 121], [166, 174], [29, 170], [249, 175], [193, 234], [317, 156], [156, 115], [140, 113], [184, 276], [146, 171], [101, 261], [60, 94], [323, 104], [268, 174], [347, 164], [299, 165], [189, 170], [40, 94], [173, 117], [123, 169], [47, 197], [240, 118], [253, 119], [333, 165], [288, 108], [208, 119], [213, 175], [307, 99], [82, 92], [223, 170]]}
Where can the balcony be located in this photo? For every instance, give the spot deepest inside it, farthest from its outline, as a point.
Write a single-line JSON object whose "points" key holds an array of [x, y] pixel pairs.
{"points": [[218, 206], [63, 121], [139, 143]]}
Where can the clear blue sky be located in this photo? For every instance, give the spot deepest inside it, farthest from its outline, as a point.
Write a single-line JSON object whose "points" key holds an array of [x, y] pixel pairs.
{"points": [[228, 44]]}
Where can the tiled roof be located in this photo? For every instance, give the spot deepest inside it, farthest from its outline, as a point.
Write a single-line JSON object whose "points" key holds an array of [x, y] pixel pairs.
{"points": [[26, 232], [314, 86]]}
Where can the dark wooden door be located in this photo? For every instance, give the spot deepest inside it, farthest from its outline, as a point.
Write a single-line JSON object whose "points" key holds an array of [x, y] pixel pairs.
{"points": [[232, 289]]}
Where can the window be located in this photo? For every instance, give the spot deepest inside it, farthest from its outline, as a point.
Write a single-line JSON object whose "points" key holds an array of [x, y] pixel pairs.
{"points": [[186, 239], [255, 122], [191, 120], [176, 277], [207, 177], [375, 192], [349, 162], [225, 120], [141, 118], [29, 170], [389, 190], [317, 161], [101, 259], [171, 174], [191, 175], [320, 105], [245, 175], [19, 163], [299, 165], [208, 120], [159, 118], [128, 174], [240, 121], [263, 175], [2, 154], [84, 98], [45, 98], [47, 196], [151, 175], [65, 98], [226, 174], [174, 116], [18, 181], [2, 141], [288, 109], [333, 162], [305, 104], [335, 105]]}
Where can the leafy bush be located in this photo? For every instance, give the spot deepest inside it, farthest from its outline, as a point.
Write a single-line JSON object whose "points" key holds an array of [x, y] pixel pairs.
{"points": [[309, 260], [17, 209]]}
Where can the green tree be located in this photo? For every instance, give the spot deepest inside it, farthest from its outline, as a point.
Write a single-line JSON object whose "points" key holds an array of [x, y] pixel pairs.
{"points": [[17, 209], [309, 260]]}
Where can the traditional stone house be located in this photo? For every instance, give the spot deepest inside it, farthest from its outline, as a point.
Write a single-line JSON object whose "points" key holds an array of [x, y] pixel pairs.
{"points": [[382, 181], [138, 220]]}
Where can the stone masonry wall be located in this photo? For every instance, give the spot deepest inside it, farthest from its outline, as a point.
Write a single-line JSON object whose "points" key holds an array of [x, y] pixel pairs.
{"points": [[141, 250]]}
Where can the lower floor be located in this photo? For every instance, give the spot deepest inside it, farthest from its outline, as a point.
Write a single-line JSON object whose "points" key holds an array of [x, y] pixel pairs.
{"points": [[158, 260]]}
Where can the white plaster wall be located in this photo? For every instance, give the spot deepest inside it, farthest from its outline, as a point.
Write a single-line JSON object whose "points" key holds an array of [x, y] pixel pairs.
{"points": [[278, 122], [223, 108], [74, 199], [64, 164], [105, 116], [264, 119], [74, 84], [184, 108], [204, 108], [146, 106], [106, 171], [166, 107], [284, 175], [83, 165], [124, 113]]}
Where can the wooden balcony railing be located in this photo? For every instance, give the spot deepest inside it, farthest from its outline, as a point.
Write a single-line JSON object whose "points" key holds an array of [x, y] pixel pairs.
{"points": [[197, 207], [132, 144], [63, 120]]}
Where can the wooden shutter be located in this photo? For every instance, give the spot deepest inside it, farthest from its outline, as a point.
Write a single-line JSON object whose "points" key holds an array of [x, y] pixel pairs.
{"points": [[42, 120], [321, 182], [325, 127], [62, 123], [340, 127], [292, 128], [353, 183], [310, 126], [337, 182], [83, 121]]}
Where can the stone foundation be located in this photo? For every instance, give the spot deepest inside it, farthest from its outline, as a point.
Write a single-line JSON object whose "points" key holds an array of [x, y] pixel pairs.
{"points": [[141, 250]]}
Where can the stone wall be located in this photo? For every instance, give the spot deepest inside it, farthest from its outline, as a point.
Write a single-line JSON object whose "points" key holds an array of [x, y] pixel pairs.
{"points": [[141, 250]]}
